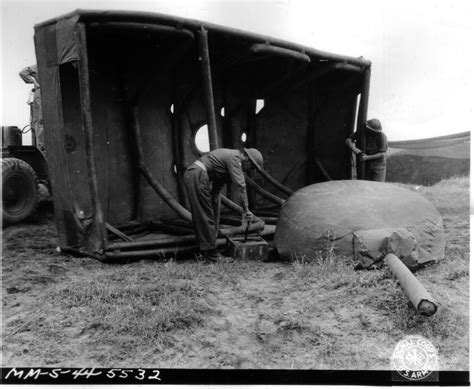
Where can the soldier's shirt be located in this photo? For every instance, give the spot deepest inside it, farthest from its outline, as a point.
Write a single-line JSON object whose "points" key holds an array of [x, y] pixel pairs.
{"points": [[29, 73], [224, 166], [375, 142]]}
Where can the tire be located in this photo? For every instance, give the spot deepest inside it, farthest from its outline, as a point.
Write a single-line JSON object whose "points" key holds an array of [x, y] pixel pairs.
{"points": [[19, 190]]}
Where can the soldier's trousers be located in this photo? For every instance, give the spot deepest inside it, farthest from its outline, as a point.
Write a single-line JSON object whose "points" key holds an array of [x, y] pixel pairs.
{"points": [[204, 206], [375, 171]]}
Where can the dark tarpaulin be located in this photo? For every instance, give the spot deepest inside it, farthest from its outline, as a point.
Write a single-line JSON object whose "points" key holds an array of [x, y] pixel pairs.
{"points": [[97, 67], [66, 40], [58, 54], [324, 217], [371, 246]]}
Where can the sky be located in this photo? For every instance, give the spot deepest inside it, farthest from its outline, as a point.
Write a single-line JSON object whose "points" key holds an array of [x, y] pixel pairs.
{"points": [[421, 51]]}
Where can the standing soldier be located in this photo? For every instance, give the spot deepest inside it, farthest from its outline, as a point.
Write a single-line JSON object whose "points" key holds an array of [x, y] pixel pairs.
{"points": [[375, 150], [204, 180], [30, 76]]}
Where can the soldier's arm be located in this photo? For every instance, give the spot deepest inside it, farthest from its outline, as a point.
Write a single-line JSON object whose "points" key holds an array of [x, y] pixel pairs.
{"points": [[238, 179], [351, 144], [373, 156], [382, 148], [28, 75]]}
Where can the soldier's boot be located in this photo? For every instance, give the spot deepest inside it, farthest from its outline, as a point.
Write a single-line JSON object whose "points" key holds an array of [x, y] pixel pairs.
{"points": [[215, 256]]}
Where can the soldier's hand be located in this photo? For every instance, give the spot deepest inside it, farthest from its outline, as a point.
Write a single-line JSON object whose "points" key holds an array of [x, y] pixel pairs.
{"points": [[247, 217]]}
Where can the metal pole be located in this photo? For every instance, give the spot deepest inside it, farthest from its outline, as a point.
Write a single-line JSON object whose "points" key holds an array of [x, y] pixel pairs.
{"points": [[89, 132], [164, 252], [154, 183], [181, 240], [230, 204], [263, 192], [279, 51], [362, 117], [207, 82], [311, 150], [268, 177], [322, 169], [176, 145]]}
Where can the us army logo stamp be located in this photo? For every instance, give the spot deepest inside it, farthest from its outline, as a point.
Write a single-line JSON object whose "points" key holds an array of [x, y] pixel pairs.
{"points": [[415, 359]]}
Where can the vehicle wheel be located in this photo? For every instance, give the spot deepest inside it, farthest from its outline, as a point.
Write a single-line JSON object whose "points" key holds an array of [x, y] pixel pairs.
{"points": [[19, 190]]}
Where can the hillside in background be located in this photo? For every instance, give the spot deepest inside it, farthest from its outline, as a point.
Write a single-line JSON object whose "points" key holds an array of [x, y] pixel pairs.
{"points": [[428, 166]]}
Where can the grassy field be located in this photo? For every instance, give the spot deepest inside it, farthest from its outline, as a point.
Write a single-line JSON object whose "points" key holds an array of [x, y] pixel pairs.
{"points": [[321, 314]]}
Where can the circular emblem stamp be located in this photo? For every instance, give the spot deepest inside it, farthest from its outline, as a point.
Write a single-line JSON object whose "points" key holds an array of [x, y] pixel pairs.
{"points": [[414, 358]]}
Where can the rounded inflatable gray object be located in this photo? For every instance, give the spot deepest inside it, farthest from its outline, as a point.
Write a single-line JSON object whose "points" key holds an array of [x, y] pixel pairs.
{"points": [[326, 215]]}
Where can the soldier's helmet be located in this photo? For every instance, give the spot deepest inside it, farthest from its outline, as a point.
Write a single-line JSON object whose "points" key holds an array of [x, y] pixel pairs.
{"points": [[374, 125], [255, 156]]}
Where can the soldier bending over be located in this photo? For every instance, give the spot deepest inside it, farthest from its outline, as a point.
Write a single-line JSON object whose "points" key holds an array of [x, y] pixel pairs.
{"points": [[204, 180]]}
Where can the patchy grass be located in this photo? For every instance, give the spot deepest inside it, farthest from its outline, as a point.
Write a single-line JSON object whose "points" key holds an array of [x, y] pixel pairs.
{"points": [[313, 313]]}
